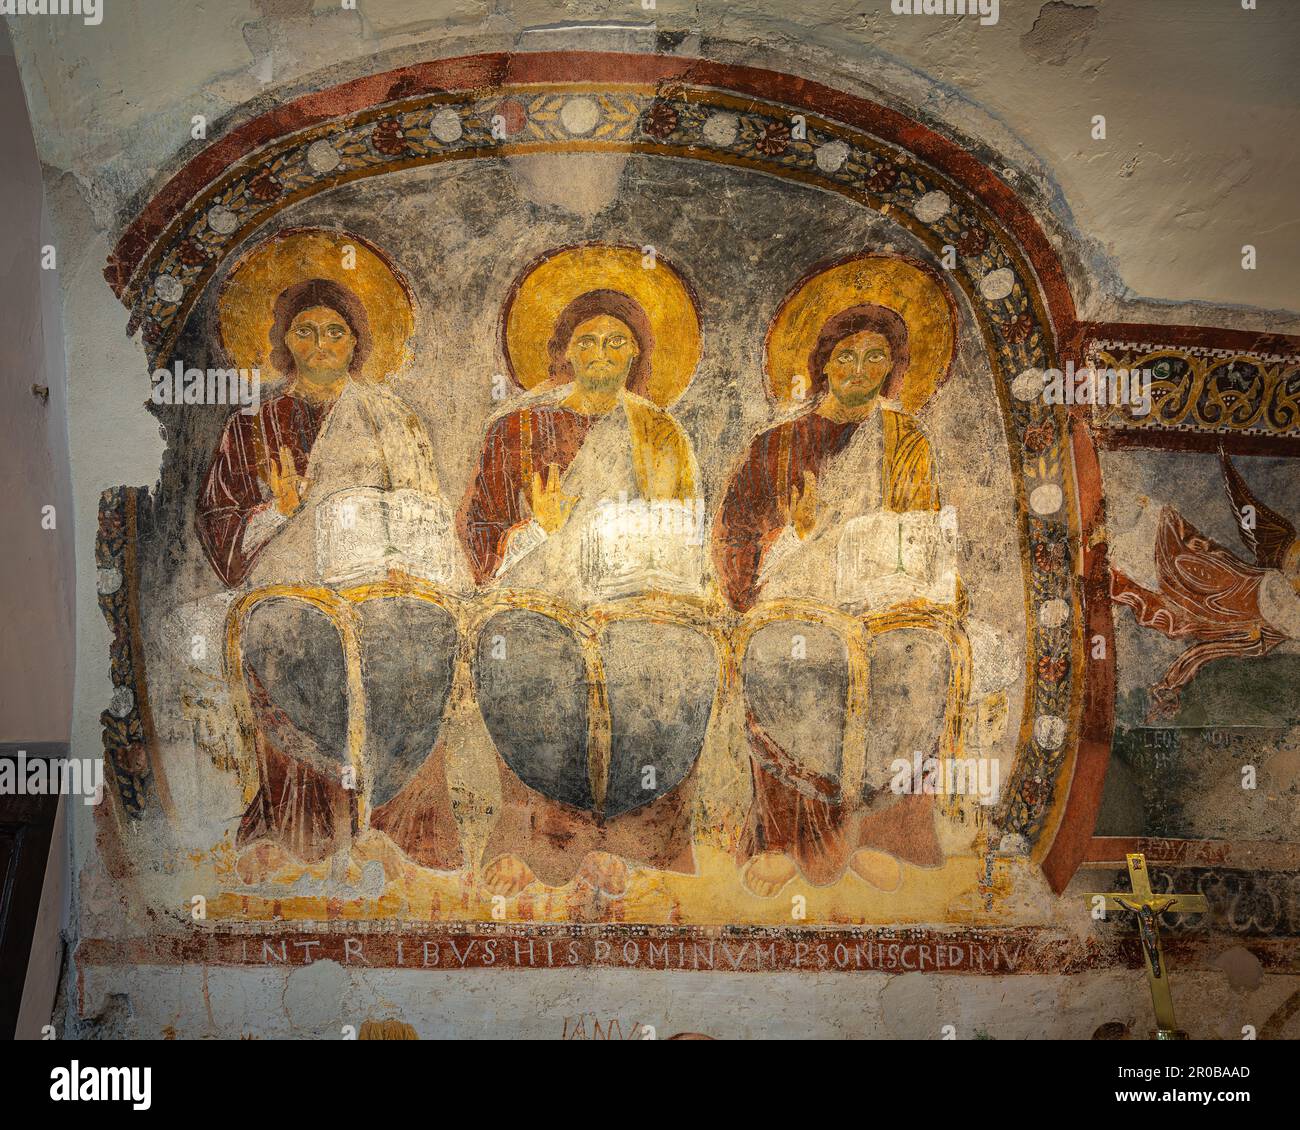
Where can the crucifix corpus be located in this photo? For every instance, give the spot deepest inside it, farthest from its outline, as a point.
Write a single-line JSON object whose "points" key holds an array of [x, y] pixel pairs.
{"points": [[1148, 907]]}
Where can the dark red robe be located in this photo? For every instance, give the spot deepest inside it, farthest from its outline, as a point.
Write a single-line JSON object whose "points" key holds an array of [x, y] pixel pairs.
{"points": [[296, 804], [1207, 594], [235, 487], [550, 836], [300, 805], [754, 511], [516, 445], [797, 811]]}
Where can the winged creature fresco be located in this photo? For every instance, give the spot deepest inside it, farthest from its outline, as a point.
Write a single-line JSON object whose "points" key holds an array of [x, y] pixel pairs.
{"points": [[1207, 594]]}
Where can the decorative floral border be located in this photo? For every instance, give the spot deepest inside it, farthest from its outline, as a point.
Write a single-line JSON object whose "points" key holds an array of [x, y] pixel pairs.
{"points": [[1221, 392], [1256, 904]]}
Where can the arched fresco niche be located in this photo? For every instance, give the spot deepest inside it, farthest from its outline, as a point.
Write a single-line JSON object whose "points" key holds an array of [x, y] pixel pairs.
{"points": [[331, 718]]}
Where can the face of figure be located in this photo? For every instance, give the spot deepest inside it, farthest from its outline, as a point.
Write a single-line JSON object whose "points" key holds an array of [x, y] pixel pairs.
{"points": [[601, 353], [858, 367], [322, 343]]}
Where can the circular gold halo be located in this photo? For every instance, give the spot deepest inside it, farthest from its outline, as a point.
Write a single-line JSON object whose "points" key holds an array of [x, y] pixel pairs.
{"points": [[548, 285], [898, 284], [246, 304]]}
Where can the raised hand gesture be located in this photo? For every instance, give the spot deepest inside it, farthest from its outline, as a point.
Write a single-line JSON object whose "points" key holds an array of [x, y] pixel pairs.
{"points": [[549, 504], [287, 486], [801, 512]]}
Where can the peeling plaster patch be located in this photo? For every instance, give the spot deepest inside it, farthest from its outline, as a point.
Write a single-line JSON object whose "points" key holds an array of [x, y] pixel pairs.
{"points": [[1059, 33], [222, 220], [582, 185], [322, 156], [102, 194], [1049, 731], [1242, 968], [313, 997], [831, 156], [257, 37]]}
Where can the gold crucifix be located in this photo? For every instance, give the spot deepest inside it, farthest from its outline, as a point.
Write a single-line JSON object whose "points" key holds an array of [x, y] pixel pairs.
{"points": [[1148, 907]]}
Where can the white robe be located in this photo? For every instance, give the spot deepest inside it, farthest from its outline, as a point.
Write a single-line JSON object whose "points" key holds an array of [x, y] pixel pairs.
{"points": [[371, 438], [601, 473]]}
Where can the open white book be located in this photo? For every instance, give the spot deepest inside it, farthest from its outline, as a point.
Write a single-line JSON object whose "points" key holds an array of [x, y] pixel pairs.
{"points": [[638, 546], [362, 532], [888, 557]]}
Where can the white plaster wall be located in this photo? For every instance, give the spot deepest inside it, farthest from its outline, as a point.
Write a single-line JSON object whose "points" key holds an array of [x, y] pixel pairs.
{"points": [[36, 564], [317, 1001], [1197, 160]]}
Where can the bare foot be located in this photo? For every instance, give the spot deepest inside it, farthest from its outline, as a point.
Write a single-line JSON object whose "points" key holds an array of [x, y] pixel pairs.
{"points": [[263, 860], [373, 844], [768, 872], [877, 868], [605, 872], [507, 875]]}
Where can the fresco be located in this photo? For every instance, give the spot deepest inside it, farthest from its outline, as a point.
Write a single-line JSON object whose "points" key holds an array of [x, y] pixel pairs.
{"points": [[652, 516], [1211, 596], [807, 578]]}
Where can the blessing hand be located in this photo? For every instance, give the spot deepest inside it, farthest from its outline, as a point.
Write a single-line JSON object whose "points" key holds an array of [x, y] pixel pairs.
{"points": [[802, 513], [549, 504], [287, 486]]}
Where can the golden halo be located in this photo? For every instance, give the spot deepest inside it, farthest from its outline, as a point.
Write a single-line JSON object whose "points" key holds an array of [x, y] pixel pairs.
{"points": [[545, 288], [901, 285], [246, 305]]}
